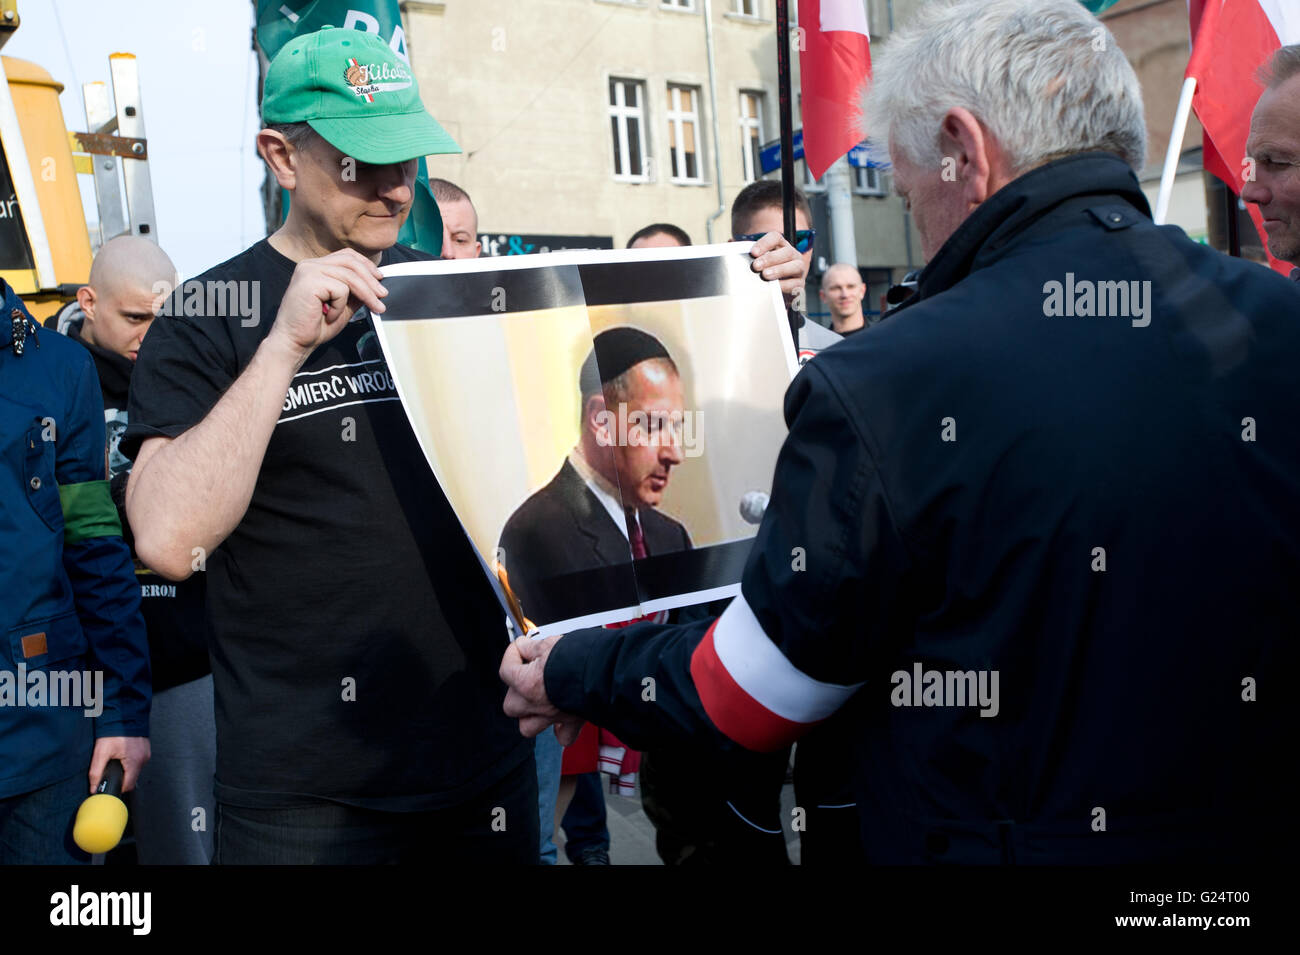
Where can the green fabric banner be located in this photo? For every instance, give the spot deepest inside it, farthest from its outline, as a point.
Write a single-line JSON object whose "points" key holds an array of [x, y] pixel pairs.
{"points": [[1096, 6], [278, 21], [88, 511]]}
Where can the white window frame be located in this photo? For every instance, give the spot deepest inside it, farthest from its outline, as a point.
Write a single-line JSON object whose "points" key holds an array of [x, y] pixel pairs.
{"points": [[754, 12], [750, 168], [621, 112], [677, 118], [680, 6], [861, 181]]}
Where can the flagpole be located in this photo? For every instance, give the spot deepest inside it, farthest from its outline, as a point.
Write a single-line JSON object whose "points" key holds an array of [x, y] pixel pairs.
{"points": [[1175, 149], [787, 137]]}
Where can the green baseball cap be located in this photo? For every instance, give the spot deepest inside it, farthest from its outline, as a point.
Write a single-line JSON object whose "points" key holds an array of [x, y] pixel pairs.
{"points": [[350, 87]]}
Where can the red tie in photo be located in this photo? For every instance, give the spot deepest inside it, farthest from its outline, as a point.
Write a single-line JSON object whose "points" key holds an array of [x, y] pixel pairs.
{"points": [[634, 535]]}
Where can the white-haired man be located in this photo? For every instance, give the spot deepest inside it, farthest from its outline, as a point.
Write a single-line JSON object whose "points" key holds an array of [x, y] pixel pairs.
{"points": [[1274, 144], [1042, 554]]}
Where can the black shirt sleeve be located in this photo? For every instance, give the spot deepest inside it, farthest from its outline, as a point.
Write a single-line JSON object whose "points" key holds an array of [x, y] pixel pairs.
{"points": [[184, 368]]}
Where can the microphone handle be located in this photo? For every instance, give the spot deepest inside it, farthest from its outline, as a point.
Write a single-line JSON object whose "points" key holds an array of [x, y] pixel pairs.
{"points": [[111, 782]]}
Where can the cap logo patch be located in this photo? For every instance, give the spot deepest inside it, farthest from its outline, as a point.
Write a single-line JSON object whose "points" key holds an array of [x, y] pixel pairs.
{"points": [[367, 79]]}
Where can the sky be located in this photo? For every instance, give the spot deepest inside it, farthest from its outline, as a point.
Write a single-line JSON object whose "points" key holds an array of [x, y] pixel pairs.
{"points": [[198, 77]]}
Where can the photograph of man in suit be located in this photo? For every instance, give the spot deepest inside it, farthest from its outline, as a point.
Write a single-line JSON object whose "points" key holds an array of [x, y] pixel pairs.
{"points": [[601, 509]]}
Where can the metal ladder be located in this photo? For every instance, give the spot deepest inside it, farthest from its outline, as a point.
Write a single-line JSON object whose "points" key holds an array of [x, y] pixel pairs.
{"points": [[116, 137]]}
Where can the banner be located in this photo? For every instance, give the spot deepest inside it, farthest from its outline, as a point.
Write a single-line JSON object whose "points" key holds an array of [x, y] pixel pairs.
{"points": [[278, 22], [605, 424], [834, 70]]}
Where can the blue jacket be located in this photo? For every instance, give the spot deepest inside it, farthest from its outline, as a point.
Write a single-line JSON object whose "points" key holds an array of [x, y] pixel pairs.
{"points": [[69, 602], [1101, 510]]}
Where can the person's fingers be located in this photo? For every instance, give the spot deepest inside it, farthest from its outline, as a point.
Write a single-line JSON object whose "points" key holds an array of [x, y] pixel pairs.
{"points": [[98, 761], [531, 726], [518, 706], [530, 649], [779, 262], [130, 773], [511, 661], [359, 285], [766, 243], [567, 731], [356, 258]]}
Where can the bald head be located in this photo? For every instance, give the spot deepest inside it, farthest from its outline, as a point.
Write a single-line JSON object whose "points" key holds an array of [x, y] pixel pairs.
{"points": [[842, 291], [130, 262], [119, 300]]}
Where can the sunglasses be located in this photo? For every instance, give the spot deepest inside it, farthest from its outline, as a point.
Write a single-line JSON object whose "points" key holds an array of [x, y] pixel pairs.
{"points": [[803, 239]]}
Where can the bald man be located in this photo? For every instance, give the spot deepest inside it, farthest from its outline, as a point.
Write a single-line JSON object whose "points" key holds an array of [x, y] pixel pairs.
{"points": [[118, 302], [842, 291], [129, 278]]}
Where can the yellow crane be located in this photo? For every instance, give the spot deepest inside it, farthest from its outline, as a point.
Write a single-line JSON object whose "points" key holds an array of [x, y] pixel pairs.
{"points": [[45, 244]]}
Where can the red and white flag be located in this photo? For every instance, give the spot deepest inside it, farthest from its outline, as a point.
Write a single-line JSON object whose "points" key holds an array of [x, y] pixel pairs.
{"points": [[834, 69], [1231, 40]]}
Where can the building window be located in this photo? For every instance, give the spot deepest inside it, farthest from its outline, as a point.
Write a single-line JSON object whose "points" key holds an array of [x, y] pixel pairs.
{"points": [[678, 4], [751, 134], [868, 182], [627, 123], [745, 8], [683, 121]]}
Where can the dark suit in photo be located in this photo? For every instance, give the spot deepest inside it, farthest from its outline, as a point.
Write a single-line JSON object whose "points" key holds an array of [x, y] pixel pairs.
{"points": [[563, 528]]}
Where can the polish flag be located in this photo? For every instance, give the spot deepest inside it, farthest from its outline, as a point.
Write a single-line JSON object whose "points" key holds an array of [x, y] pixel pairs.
{"points": [[751, 691], [834, 68], [1231, 40]]}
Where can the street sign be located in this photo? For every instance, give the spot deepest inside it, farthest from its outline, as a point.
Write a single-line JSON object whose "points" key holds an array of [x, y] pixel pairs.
{"points": [[860, 158], [769, 156], [507, 243]]}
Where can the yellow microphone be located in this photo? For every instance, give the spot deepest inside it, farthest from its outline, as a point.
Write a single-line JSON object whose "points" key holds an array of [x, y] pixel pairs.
{"points": [[101, 820]]}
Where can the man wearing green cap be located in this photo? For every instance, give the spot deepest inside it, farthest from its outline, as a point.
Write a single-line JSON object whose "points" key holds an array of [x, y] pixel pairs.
{"points": [[355, 638], [354, 635]]}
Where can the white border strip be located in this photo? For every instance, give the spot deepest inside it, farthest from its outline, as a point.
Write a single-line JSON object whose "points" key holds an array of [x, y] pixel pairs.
{"points": [[691, 599], [764, 672], [621, 615]]}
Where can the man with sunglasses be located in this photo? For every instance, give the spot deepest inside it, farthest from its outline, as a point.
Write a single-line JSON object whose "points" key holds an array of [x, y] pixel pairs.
{"points": [[756, 211]]}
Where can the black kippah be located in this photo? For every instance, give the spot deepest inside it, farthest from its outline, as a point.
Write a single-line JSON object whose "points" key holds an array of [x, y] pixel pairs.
{"points": [[615, 351]]}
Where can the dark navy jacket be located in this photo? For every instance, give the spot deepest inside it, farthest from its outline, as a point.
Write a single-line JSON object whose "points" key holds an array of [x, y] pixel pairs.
{"points": [[1105, 510], [69, 602]]}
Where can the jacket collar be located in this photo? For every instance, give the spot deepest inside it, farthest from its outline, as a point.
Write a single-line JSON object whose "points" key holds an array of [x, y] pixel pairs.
{"points": [[991, 228], [11, 301], [114, 369]]}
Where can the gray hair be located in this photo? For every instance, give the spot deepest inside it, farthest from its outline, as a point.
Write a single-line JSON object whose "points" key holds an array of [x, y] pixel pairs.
{"points": [[1281, 66], [1045, 77], [299, 135]]}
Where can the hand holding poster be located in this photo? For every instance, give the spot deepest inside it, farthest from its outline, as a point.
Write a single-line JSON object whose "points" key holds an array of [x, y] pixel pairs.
{"points": [[604, 423]]}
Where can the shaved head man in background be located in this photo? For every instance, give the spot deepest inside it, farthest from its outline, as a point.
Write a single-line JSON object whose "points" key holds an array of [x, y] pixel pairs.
{"points": [[459, 220], [118, 301], [842, 291]]}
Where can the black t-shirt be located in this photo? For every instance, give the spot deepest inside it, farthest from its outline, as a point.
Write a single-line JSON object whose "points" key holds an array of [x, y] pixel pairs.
{"points": [[355, 638]]}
